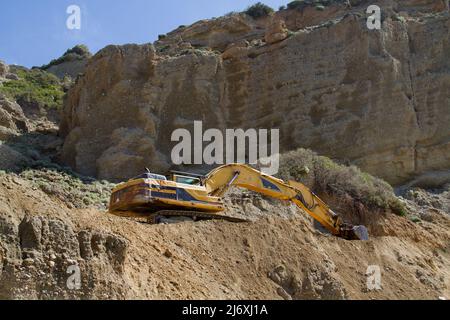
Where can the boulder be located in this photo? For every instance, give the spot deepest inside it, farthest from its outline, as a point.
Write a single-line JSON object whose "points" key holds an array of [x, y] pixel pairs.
{"points": [[12, 118], [4, 69], [276, 32], [236, 50]]}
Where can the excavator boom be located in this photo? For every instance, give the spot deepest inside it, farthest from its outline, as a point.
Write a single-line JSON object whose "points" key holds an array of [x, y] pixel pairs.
{"points": [[219, 180]]}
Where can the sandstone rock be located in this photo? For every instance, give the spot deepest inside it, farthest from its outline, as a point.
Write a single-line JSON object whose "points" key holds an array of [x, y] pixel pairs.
{"points": [[217, 33], [276, 32], [71, 69], [4, 69], [6, 119], [12, 118], [30, 240], [130, 152], [236, 50], [375, 99], [185, 46]]}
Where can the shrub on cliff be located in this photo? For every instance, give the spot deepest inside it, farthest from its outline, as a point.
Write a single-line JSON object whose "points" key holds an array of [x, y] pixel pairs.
{"points": [[323, 175], [36, 87], [296, 4], [318, 4], [258, 10], [79, 52]]}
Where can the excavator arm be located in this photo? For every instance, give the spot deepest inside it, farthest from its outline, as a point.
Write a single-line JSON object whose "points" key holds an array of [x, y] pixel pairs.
{"points": [[218, 181]]}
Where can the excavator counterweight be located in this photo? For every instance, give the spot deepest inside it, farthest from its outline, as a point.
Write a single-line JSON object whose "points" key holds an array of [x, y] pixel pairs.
{"points": [[200, 197]]}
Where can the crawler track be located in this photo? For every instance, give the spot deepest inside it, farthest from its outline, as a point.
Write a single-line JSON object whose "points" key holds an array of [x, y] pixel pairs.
{"points": [[195, 215]]}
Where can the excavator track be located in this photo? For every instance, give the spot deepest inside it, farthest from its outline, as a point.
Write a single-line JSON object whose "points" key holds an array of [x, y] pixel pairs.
{"points": [[194, 215]]}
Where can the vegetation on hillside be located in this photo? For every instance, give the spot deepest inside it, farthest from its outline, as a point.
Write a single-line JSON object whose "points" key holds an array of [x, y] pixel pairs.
{"points": [[323, 175], [79, 52], [319, 4], [258, 10], [73, 189], [34, 87]]}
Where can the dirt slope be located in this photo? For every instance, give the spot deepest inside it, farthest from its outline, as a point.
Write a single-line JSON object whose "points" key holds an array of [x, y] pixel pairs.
{"points": [[279, 256]]}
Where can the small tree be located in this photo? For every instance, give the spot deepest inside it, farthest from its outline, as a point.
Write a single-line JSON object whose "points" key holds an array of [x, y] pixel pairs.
{"points": [[258, 10], [80, 50]]}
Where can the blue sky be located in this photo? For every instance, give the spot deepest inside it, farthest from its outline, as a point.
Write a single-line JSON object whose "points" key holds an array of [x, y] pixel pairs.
{"points": [[32, 32]]}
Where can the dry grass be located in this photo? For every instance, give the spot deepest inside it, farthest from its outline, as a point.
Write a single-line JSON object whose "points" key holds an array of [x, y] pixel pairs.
{"points": [[323, 175]]}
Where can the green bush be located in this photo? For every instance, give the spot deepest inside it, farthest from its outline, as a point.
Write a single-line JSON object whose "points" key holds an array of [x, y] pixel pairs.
{"points": [[323, 175], [35, 86], [318, 4], [258, 10], [296, 4], [79, 52]]}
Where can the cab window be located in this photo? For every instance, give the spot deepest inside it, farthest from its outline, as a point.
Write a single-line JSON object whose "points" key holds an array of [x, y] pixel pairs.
{"points": [[187, 180]]}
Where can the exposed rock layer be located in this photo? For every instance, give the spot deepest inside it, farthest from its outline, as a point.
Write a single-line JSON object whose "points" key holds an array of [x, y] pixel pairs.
{"points": [[278, 256], [379, 99]]}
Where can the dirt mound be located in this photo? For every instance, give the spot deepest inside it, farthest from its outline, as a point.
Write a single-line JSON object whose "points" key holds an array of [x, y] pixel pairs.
{"points": [[281, 255]]}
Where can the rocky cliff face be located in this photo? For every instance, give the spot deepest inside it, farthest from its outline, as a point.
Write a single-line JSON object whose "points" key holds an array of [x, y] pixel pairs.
{"points": [[71, 69], [379, 99]]}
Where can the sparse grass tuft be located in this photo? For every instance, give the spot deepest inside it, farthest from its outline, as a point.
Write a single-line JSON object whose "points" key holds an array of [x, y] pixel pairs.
{"points": [[73, 189]]}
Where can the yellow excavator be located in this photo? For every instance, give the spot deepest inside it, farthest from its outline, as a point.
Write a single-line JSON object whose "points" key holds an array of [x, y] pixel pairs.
{"points": [[199, 197]]}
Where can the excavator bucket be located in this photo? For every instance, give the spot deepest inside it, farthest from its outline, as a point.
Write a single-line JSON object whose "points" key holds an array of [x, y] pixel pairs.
{"points": [[355, 233], [361, 233]]}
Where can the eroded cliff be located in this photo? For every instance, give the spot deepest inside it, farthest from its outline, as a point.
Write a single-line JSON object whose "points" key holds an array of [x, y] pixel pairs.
{"points": [[375, 98]]}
